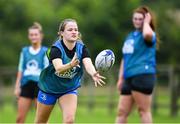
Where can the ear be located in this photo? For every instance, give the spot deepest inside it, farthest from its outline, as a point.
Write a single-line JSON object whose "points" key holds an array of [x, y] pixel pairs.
{"points": [[60, 33], [42, 35]]}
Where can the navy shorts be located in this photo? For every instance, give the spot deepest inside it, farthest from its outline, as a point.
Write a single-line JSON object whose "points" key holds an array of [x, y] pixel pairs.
{"points": [[50, 99], [143, 83], [29, 90]]}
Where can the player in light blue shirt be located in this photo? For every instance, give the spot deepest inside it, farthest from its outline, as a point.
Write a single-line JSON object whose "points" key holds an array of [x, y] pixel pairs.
{"points": [[32, 60], [137, 72]]}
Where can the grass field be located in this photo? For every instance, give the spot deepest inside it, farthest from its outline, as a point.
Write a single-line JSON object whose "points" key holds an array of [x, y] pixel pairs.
{"points": [[98, 113], [84, 115]]}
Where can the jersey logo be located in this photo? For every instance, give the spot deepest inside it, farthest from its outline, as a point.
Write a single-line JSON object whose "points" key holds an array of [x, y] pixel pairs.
{"points": [[68, 74], [128, 47], [32, 68]]}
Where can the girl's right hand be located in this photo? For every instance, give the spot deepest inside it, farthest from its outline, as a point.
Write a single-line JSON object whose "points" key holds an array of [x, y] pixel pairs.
{"points": [[75, 61], [17, 91], [119, 84]]}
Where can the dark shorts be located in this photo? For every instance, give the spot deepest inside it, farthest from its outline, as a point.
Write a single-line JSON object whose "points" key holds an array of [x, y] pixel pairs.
{"points": [[143, 83], [50, 99], [30, 90]]}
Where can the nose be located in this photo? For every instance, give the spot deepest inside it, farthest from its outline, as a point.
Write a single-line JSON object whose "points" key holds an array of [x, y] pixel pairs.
{"points": [[74, 31]]}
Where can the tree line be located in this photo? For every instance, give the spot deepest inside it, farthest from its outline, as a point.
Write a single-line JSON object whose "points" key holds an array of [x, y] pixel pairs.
{"points": [[103, 24]]}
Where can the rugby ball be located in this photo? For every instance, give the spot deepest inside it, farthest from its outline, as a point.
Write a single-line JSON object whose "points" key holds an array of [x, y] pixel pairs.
{"points": [[104, 60]]}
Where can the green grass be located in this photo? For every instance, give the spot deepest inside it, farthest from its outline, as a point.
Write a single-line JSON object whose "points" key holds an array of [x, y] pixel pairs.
{"points": [[85, 115], [99, 112]]}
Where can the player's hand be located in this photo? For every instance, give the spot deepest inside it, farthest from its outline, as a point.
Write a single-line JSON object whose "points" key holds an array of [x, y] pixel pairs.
{"points": [[97, 78], [75, 61], [17, 91], [147, 18], [119, 84]]}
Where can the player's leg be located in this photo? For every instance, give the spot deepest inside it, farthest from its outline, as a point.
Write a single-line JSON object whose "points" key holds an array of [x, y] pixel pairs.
{"points": [[24, 101], [24, 105], [142, 86], [68, 104], [45, 104], [125, 102], [35, 102], [124, 108], [36, 91], [43, 112], [143, 102]]}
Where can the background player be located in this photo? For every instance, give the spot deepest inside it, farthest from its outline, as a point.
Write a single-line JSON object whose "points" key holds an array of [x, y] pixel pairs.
{"points": [[32, 60], [138, 67]]}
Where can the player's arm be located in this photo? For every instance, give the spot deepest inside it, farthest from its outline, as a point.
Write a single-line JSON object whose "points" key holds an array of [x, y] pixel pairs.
{"points": [[89, 66], [17, 89], [54, 55], [147, 30], [60, 67], [97, 78], [46, 61], [120, 78], [121, 69], [87, 61]]}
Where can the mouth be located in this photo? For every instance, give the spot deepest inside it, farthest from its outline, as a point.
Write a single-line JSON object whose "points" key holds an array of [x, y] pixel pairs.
{"points": [[34, 40], [74, 36]]}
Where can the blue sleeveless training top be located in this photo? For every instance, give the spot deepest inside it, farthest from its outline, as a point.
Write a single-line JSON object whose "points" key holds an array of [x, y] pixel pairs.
{"points": [[52, 82]]}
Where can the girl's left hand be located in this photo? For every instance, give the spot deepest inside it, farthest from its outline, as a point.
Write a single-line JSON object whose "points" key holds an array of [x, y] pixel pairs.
{"points": [[98, 79]]}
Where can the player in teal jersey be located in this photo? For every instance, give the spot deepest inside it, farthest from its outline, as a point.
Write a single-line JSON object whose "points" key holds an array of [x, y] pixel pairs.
{"points": [[32, 60], [138, 67], [61, 79]]}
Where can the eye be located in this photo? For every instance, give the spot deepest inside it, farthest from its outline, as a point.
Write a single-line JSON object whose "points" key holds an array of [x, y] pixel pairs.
{"points": [[70, 29], [140, 19], [30, 34]]}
